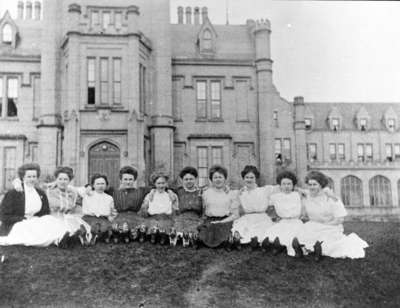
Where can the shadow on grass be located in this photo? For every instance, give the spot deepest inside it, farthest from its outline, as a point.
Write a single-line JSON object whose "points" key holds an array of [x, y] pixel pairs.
{"points": [[127, 275]]}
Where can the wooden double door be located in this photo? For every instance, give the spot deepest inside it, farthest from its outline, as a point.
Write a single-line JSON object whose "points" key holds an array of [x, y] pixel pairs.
{"points": [[105, 158]]}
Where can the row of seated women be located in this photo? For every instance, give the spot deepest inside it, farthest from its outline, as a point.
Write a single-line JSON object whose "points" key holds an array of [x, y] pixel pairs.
{"points": [[283, 216]]}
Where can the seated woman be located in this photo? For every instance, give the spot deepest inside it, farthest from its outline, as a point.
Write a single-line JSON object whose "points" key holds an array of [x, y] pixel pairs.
{"points": [[25, 214], [190, 202], [98, 207], [62, 203], [288, 209], [254, 221], [220, 209], [160, 204], [323, 233]]}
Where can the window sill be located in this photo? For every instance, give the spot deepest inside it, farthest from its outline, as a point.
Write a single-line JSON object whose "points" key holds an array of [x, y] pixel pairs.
{"points": [[209, 120], [15, 119]]}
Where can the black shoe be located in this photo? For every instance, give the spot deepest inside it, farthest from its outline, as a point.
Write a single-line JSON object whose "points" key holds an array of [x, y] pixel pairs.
{"points": [[277, 248], [64, 242], [236, 241], [254, 243], [266, 245], [318, 251], [297, 248], [229, 243]]}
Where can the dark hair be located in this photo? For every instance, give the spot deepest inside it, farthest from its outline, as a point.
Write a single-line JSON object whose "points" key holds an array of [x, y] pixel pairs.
{"points": [[286, 175], [128, 170], [30, 166], [98, 176], [317, 176], [188, 170], [156, 175], [67, 170], [219, 169], [250, 169]]}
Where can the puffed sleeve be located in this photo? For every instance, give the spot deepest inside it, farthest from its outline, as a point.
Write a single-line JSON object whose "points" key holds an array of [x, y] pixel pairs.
{"points": [[338, 209]]}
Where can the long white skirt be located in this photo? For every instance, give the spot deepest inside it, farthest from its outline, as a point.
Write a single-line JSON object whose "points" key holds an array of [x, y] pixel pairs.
{"points": [[285, 230], [335, 243], [251, 225], [43, 231]]}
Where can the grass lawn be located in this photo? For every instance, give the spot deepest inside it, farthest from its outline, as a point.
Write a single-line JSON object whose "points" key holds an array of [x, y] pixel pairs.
{"points": [[129, 275]]}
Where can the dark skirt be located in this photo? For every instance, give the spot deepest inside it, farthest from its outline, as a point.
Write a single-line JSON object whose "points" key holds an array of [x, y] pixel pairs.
{"points": [[187, 222], [214, 234], [162, 221], [132, 218], [102, 222]]}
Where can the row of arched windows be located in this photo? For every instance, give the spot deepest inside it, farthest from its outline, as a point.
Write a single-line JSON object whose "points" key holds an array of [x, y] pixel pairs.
{"points": [[380, 191]]}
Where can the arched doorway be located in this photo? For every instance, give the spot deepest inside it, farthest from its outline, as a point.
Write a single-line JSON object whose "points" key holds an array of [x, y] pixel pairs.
{"points": [[104, 157]]}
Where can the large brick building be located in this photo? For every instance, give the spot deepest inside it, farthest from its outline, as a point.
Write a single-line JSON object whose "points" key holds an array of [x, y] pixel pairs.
{"points": [[96, 86]]}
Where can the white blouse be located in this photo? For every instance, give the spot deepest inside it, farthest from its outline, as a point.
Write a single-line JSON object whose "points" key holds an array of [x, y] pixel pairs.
{"points": [[255, 200], [98, 205], [287, 205], [33, 203], [161, 204], [323, 209]]}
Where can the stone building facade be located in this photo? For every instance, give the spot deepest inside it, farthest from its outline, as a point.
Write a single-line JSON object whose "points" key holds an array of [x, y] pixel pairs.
{"points": [[96, 86]]}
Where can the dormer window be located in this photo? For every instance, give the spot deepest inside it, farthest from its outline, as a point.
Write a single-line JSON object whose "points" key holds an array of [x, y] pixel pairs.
{"points": [[391, 124], [308, 123], [363, 124], [7, 34], [207, 40], [335, 124]]}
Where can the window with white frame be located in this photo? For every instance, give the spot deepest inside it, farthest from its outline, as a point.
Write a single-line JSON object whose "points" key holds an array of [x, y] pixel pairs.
{"points": [[368, 152], [360, 152], [380, 191], [278, 151], [208, 99], [391, 124], [118, 20], [341, 153], [364, 152], [106, 19], [94, 19], [104, 78], [117, 81], [91, 81], [332, 151], [8, 96], [312, 152], [7, 34], [207, 40], [351, 191], [282, 150], [397, 151], [363, 124], [208, 156], [389, 152]]}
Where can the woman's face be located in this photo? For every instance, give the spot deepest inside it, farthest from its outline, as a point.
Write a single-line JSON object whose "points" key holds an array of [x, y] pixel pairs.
{"points": [[314, 187], [62, 181], [100, 185], [286, 185], [189, 181], [250, 179], [218, 180], [30, 177], [127, 180], [160, 183]]}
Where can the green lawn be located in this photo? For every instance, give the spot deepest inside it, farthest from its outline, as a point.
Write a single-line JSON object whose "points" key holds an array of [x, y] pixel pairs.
{"points": [[128, 275]]}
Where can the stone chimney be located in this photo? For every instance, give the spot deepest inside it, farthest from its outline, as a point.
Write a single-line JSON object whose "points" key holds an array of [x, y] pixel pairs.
{"points": [[196, 15], [204, 14], [180, 15], [188, 15], [38, 8], [20, 10], [28, 7]]}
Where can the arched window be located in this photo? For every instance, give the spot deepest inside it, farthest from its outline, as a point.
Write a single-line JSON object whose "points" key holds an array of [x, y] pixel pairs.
{"points": [[7, 33], [352, 191], [207, 39], [380, 191]]}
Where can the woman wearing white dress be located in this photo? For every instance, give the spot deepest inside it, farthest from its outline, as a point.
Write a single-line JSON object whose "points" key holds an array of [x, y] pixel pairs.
{"points": [[25, 214], [323, 233], [254, 220], [287, 205]]}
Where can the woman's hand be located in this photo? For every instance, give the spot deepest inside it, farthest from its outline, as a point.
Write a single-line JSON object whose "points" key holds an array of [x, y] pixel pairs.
{"points": [[17, 184]]}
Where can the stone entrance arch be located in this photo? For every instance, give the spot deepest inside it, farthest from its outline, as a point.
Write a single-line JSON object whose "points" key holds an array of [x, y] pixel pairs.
{"points": [[105, 158]]}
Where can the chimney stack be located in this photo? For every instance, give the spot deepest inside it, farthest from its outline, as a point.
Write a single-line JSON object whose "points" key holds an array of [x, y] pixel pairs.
{"points": [[180, 15], [188, 15], [204, 14], [38, 7], [20, 11], [28, 10], [196, 15]]}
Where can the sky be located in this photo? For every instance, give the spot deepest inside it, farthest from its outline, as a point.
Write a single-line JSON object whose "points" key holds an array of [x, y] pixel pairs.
{"points": [[325, 51]]}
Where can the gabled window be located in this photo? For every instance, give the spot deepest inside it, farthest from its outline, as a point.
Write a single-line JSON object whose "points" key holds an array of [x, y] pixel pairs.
{"points": [[207, 40], [363, 124], [391, 124], [335, 124], [7, 34], [308, 123]]}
